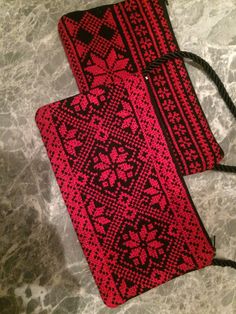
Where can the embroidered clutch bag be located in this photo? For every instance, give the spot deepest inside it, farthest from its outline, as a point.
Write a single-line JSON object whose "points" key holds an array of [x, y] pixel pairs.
{"points": [[128, 203], [105, 42]]}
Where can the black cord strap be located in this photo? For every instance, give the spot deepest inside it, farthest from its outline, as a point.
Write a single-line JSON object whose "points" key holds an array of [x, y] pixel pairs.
{"points": [[213, 76], [223, 263], [225, 168], [205, 65], [224, 94]]}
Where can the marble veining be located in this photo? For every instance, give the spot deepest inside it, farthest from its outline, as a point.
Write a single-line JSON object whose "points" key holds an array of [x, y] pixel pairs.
{"points": [[42, 267]]}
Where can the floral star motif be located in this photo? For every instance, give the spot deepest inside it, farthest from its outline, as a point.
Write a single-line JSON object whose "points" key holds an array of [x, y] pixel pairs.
{"points": [[82, 101], [98, 216], [143, 244], [113, 166], [104, 71], [128, 118], [155, 191], [70, 138]]}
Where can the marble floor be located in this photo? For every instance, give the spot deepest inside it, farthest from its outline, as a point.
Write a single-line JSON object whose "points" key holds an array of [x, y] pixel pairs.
{"points": [[42, 267]]}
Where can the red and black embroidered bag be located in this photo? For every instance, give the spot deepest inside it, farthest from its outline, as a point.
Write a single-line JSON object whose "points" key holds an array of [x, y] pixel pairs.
{"points": [[105, 42], [127, 200], [119, 154]]}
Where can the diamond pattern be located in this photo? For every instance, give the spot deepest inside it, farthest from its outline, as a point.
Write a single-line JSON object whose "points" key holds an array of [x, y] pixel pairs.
{"points": [[106, 32], [84, 36], [132, 214]]}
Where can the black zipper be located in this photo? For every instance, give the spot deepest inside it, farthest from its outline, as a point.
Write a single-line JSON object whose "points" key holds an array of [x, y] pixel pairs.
{"points": [[155, 105]]}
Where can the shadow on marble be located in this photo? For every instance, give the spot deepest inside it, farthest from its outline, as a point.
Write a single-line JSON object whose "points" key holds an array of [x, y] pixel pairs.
{"points": [[32, 263]]}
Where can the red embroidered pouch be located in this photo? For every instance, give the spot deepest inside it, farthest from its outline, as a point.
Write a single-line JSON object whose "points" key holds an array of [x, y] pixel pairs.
{"points": [[128, 203], [105, 42]]}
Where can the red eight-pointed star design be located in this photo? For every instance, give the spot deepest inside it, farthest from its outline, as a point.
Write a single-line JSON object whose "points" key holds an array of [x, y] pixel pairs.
{"points": [[143, 243], [105, 71], [113, 166]]}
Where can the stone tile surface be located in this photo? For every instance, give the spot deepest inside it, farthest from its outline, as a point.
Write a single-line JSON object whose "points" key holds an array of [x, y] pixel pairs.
{"points": [[42, 267]]}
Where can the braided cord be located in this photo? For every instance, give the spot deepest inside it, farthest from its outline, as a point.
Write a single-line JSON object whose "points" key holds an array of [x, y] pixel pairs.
{"points": [[224, 94], [213, 76], [223, 263], [225, 168]]}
